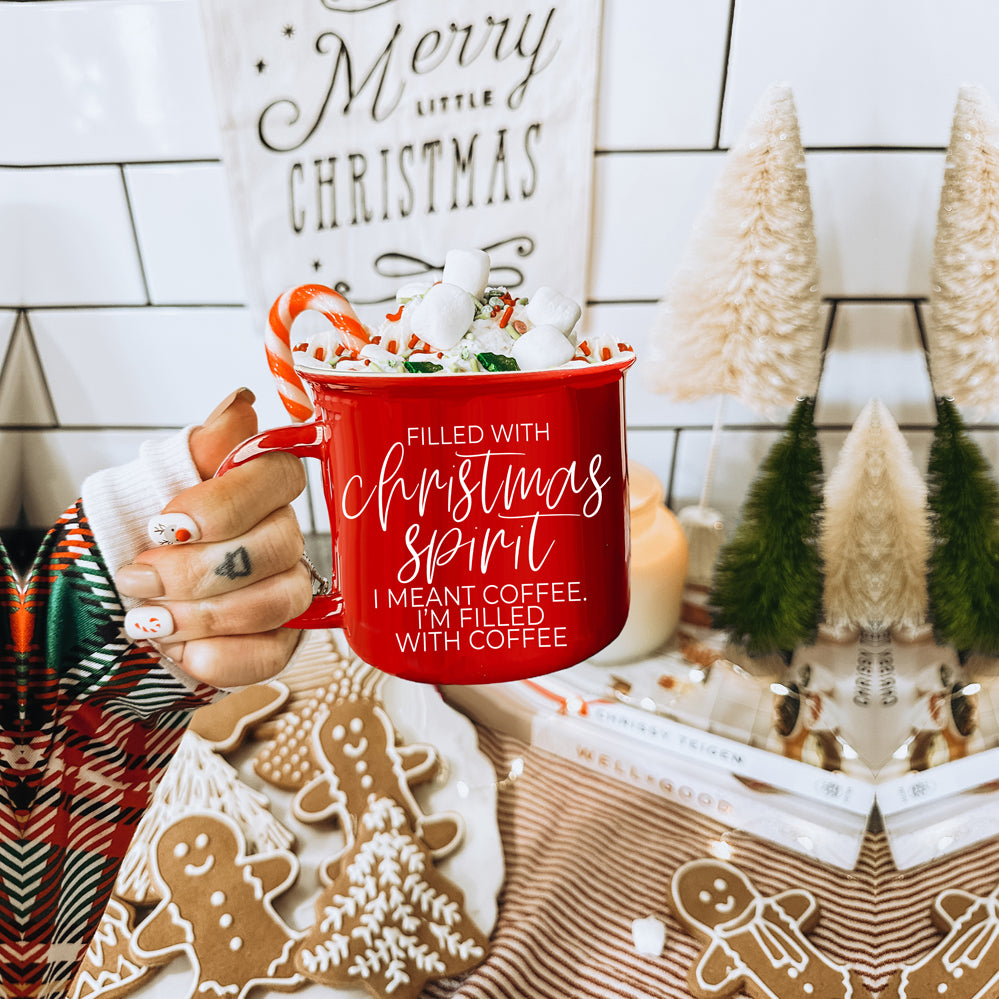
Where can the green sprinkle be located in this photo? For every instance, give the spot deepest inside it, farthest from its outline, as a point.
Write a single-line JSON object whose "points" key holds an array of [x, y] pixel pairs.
{"points": [[422, 367], [497, 362]]}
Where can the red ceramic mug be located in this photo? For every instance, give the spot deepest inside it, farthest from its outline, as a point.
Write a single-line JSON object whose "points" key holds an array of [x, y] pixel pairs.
{"points": [[479, 521]]}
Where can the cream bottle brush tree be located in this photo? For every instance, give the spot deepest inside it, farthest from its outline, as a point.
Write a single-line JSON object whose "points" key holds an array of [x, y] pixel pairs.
{"points": [[964, 368], [741, 317], [963, 329], [875, 538]]}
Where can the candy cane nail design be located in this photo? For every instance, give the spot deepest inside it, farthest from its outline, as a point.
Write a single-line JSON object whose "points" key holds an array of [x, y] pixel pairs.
{"points": [[149, 622], [173, 529]]}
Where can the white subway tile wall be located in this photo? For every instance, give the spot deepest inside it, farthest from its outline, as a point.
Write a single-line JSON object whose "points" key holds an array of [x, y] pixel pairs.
{"points": [[185, 261], [122, 302]]}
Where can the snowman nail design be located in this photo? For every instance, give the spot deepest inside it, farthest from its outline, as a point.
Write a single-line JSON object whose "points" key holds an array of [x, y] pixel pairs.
{"points": [[173, 529], [149, 622]]}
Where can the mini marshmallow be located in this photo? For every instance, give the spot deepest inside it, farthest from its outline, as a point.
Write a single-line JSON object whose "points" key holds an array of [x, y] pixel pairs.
{"points": [[649, 935], [548, 307], [414, 289], [542, 347], [468, 269], [443, 316]]}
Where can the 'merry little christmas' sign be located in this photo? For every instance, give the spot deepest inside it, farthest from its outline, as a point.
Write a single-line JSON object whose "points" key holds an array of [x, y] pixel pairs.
{"points": [[364, 138]]}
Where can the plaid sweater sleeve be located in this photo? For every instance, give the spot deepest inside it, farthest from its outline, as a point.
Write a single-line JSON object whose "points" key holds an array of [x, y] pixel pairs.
{"points": [[88, 723]]}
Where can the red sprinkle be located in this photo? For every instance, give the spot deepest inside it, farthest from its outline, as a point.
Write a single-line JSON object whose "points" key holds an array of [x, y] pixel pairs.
{"points": [[413, 341], [320, 354], [394, 317], [585, 348], [605, 353], [625, 346], [300, 346], [393, 347], [506, 317]]}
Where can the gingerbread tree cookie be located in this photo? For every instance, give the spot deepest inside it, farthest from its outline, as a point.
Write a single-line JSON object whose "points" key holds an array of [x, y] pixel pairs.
{"points": [[340, 752], [389, 921], [109, 969], [217, 909], [965, 964], [197, 780], [320, 654], [754, 942]]}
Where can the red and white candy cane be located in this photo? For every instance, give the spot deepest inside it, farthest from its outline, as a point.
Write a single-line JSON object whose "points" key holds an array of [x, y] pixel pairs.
{"points": [[277, 341]]}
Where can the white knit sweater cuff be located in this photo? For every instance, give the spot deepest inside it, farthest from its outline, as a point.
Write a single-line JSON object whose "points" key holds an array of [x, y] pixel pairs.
{"points": [[119, 502]]}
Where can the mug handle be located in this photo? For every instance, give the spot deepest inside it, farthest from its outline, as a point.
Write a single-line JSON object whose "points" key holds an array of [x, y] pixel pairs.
{"points": [[304, 440]]}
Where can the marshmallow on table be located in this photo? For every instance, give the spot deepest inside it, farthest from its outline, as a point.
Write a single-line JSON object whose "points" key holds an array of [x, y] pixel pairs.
{"points": [[548, 307], [443, 316], [649, 935], [542, 347], [468, 269]]}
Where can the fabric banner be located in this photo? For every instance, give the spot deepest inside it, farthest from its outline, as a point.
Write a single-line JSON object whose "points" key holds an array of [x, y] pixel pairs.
{"points": [[365, 138]]}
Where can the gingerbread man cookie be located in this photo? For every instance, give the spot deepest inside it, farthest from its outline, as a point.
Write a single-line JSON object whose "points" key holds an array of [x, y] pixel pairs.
{"points": [[754, 942], [965, 964], [197, 780], [108, 969], [340, 753], [217, 908], [389, 921]]}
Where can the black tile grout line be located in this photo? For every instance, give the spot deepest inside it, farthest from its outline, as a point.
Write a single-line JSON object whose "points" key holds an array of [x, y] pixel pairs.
{"points": [[108, 306], [826, 340], [921, 328], [9, 353], [877, 299], [924, 342], [777, 427], [135, 235], [826, 300], [672, 467], [598, 151], [193, 161], [726, 56], [93, 428], [46, 389]]}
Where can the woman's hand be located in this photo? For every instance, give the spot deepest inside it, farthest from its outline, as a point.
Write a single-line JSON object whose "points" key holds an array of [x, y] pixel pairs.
{"points": [[228, 571]]}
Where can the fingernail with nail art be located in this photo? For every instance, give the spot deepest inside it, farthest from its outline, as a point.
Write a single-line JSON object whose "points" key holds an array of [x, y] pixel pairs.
{"points": [[173, 529], [149, 622]]}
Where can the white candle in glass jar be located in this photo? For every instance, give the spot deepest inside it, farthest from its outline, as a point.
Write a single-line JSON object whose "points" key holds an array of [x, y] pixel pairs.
{"points": [[657, 573]]}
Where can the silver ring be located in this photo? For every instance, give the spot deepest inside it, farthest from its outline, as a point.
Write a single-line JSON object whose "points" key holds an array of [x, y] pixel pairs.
{"points": [[320, 584]]}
